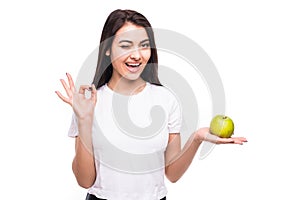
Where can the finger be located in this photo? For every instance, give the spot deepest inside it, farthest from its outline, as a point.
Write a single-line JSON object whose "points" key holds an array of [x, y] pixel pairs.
{"points": [[71, 82], [83, 88], [225, 141], [238, 142], [241, 139], [94, 94], [66, 100], [67, 89]]}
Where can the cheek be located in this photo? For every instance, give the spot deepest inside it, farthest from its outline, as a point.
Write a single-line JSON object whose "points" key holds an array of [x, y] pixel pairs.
{"points": [[146, 54], [118, 56]]}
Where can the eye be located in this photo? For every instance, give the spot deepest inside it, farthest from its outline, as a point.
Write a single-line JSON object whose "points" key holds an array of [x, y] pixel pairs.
{"points": [[145, 45], [125, 46]]}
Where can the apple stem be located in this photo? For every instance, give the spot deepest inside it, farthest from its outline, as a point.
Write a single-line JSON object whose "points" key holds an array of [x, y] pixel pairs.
{"points": [[224, 117]]}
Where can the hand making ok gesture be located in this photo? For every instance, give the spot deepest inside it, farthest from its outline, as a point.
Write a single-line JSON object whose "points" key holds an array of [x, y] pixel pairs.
{"points": [[82, 106]]}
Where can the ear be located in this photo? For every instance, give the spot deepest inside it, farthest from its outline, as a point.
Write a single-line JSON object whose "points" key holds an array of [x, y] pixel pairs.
{"points": [[107, 53]]}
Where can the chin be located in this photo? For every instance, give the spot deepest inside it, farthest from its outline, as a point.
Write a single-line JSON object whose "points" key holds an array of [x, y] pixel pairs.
{"points": [[132, 77]]}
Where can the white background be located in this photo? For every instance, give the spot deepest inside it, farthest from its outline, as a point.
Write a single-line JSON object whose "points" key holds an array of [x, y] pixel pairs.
{"points": [[255, 46]]}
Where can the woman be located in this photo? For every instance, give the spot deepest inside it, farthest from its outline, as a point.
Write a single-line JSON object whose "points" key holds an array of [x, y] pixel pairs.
{"points": [[127, 67]]}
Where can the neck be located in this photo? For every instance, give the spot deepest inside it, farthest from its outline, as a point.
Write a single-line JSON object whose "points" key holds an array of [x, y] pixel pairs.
{"points": [[126, 86]]}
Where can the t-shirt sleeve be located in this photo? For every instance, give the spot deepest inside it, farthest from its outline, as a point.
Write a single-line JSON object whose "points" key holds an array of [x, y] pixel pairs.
{"points": [[175, 116], [73, 130]]}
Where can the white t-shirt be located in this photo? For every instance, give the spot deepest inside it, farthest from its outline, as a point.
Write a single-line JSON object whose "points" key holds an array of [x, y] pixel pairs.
{"points": [[130, 135]]}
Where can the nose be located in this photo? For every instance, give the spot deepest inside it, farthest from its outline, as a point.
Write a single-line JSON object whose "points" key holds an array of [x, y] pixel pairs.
{"points": [[135, 54]]}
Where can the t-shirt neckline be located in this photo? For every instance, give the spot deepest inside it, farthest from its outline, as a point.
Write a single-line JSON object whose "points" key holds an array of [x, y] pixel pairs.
{"points": [[137, 94]]}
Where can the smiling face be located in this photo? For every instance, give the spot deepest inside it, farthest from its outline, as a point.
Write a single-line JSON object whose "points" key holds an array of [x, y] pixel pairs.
{"points": [[129, 53]]}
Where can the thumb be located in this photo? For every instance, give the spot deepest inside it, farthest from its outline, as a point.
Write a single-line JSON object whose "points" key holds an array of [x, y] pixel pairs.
{"points": [[94, 93]]}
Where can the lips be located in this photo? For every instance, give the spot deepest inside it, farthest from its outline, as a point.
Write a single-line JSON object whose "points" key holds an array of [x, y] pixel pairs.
{"points": [[133, 64], [133, 67]]}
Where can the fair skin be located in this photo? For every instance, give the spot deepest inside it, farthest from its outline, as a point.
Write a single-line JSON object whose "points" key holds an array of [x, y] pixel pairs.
{"points": [[129, 54], [83, 165]]}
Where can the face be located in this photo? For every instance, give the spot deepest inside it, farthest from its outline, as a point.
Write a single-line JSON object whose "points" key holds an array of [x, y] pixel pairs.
{"points": [[130, 52]]}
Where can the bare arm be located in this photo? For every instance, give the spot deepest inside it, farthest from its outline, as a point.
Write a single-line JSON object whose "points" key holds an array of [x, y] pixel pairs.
{"points": [[83, 165], [178, 160]]}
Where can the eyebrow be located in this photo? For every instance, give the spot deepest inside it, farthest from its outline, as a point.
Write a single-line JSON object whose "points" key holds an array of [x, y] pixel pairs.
{"points": [[145, 40]]}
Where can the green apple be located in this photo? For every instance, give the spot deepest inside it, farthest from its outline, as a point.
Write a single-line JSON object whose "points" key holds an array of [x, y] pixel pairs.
{"points": [[222, 126]]}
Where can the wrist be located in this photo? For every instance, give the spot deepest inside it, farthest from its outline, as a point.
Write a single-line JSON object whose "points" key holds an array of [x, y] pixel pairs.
{"points": [[84, 116], [85, 125], [201, 134], [85, 119]]}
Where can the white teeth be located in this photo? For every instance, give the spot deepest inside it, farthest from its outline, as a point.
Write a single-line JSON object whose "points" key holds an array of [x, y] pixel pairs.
{"points": [[133, 65]]}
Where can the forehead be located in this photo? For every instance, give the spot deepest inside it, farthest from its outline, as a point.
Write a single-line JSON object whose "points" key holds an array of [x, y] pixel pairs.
{"points": [[131, 32]]}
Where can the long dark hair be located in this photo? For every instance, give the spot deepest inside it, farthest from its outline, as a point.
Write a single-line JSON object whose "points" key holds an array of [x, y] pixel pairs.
{"points": [[113, 23]]}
